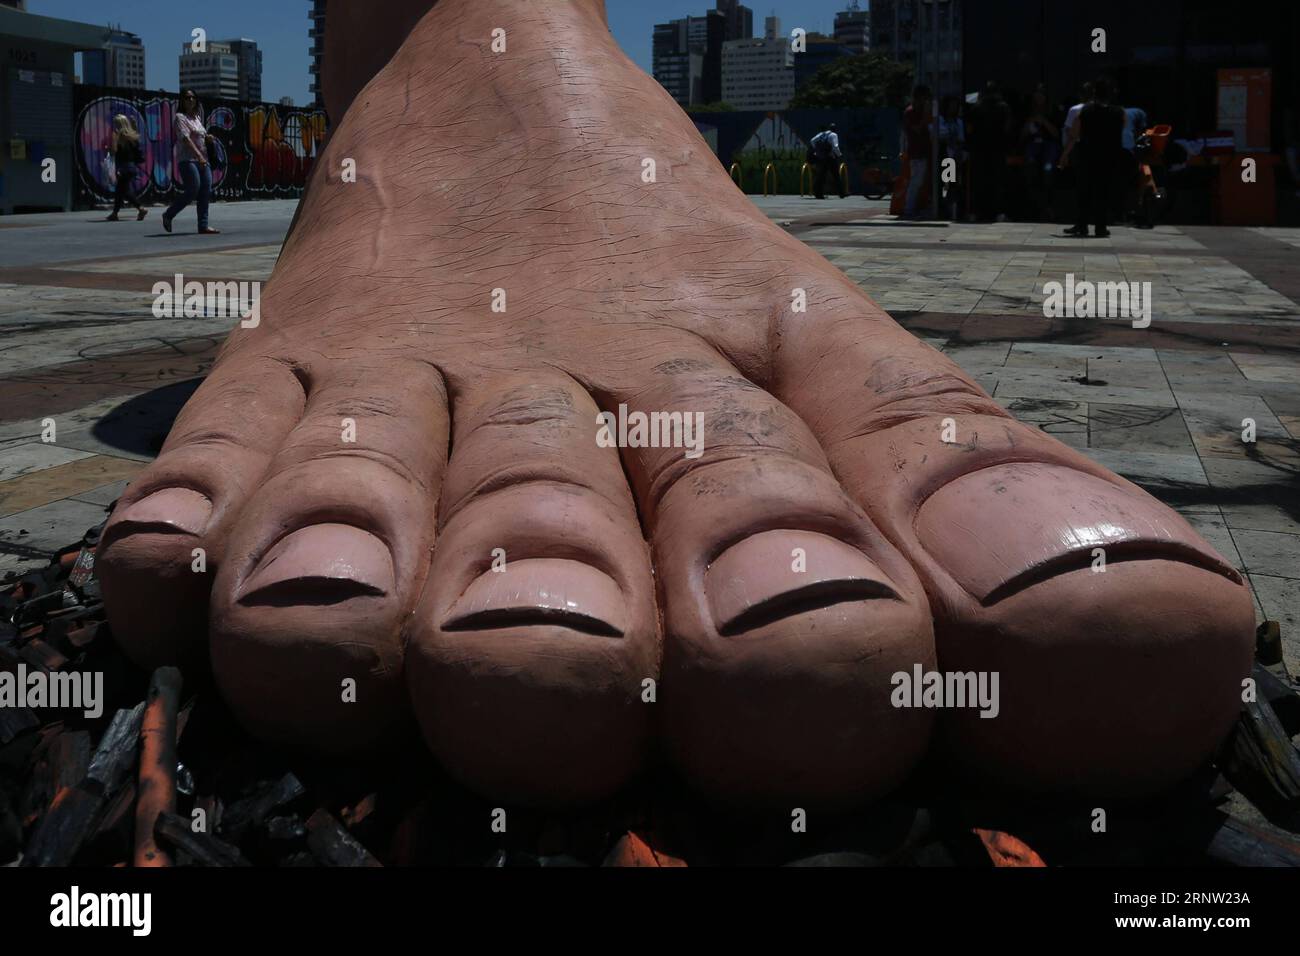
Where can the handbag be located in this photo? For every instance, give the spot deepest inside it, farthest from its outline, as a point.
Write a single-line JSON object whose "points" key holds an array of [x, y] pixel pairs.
{"points": [[216, 158], [109, 167]]}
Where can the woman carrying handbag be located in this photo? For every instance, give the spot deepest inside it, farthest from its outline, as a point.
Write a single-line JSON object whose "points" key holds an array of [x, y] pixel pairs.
{"points": [[128, 157], [192, 161]]}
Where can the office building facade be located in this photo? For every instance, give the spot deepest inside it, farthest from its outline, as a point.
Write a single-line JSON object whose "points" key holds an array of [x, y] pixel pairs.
{"points": [[119, 63]]}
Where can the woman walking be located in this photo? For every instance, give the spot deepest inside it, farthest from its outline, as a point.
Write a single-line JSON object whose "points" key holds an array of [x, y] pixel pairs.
{"points": [[192, 161], [128, 156]]}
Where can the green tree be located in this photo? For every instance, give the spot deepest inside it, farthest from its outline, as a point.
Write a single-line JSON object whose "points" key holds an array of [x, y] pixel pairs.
{"points": [[865, 80]]}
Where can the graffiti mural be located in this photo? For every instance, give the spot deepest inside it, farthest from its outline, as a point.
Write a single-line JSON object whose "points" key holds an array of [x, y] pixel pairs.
{"points": [[264, 150]]}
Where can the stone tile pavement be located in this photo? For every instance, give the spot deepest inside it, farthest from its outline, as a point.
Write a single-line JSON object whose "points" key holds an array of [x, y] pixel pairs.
{"points": [[1163, 406]]}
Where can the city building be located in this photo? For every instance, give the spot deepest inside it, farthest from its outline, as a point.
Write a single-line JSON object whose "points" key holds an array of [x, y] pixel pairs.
{"points": [[739, 19], [36, 111], [250, 68], [678, 70], [758, 74], [925, 33], [853, 28], [316, 33], [686, 54], [119, 63], [229, 69], [214, 72]]}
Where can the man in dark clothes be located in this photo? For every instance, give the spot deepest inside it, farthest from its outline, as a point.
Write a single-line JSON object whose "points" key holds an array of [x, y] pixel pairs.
{"points": [[916, 126], [827, 156], [989, 137], [1097, 154]]}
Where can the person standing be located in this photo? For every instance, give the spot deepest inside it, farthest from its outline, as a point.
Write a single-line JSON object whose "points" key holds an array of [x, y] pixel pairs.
{"points": [[1039, 140], [952, 145], [990, 131], [827, 157], [1097, 153], [916, 127], [192, 162], [1070, 131], [128, 157]]}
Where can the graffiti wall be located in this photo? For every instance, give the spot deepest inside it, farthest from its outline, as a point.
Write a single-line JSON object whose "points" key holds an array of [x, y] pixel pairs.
{"points": [[266, 151]]}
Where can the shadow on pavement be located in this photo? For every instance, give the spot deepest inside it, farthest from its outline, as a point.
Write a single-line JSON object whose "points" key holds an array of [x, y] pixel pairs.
{"points": [[140, 425]]}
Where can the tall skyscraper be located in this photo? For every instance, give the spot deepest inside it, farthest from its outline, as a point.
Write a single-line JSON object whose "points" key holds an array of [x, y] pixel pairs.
{"points": [[905, 29], [229, 69], [687, 53], [739, 18], [853, 28], [250, 68], [119, 63], [757, 74], [316, 33], [214, 72]]}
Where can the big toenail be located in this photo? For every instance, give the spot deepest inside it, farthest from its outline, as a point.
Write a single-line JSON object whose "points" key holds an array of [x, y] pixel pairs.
{"points": [[172, 510], [544, 591], [325, 555], [774, 574], [1001, 529]]}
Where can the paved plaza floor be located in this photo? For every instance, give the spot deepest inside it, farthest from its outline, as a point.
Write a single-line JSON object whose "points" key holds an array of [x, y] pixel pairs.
{"points": [[1162, 405]]}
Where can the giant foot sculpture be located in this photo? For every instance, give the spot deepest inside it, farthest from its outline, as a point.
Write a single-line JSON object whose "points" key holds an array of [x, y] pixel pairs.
{"points": [[476, 556]]}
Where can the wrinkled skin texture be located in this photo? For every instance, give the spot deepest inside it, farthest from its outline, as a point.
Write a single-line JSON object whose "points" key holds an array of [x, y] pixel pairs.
{"points": [[476, 430]]}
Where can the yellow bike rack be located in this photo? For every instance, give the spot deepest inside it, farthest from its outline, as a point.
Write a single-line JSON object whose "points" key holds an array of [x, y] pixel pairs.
{"points": [[769, 168], [806, 169], [734, 172], [844, 178]]}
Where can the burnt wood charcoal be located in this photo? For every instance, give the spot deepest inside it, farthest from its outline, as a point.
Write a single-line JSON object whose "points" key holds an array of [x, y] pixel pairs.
{"points": [[334, 846], [207, 850]]}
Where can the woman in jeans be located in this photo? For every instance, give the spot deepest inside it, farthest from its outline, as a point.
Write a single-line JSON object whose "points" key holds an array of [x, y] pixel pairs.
{"points": [[192, 160], [127, 156]]}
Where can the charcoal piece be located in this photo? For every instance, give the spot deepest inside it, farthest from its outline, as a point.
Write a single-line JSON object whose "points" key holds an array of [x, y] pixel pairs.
{"points": [[11, 830], [70, 821], [207, 850], [71, 753], [1282, 695], [1261, 761], [15, 721], [157, 779], [285, 828], [334, 846], [42, 656], [251, 811], [1236, 843], [115, 758]]}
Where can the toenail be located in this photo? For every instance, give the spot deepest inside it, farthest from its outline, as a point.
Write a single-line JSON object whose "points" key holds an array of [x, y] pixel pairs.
{"points": [[327, 555], [547, 591], [1001, 529], [170, 510], [775, 574]]}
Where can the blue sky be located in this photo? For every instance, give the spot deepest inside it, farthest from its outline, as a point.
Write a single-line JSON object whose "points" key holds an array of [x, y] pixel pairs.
{"points": [[280, 29]]}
